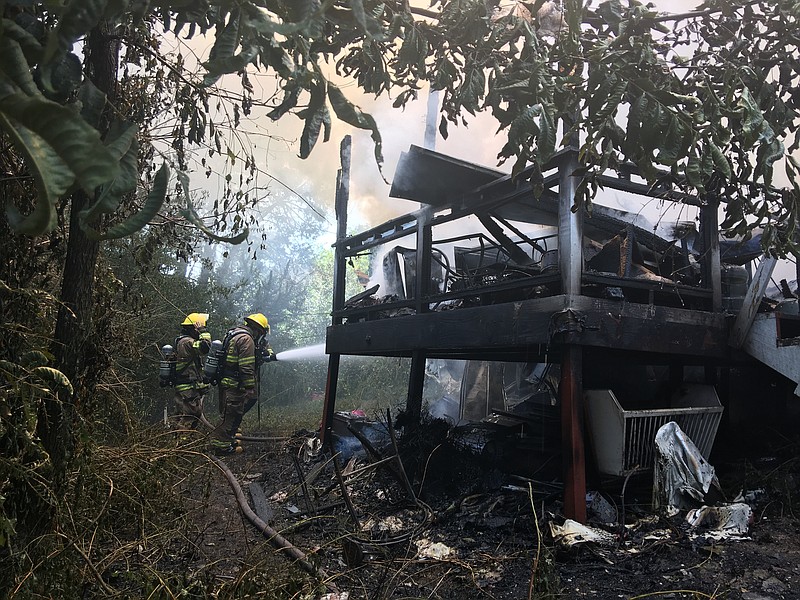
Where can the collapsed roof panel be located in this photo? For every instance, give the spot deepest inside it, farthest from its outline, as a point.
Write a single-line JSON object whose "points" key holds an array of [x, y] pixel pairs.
{"points": [[432, 178]]}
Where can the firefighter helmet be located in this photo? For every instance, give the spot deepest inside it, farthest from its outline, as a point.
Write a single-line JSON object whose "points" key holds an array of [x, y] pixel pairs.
{"points": [[258, 319], [198, 319]]}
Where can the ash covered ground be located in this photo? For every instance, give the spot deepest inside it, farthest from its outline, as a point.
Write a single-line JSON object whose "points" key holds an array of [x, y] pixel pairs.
{"points": [[463, 527]]}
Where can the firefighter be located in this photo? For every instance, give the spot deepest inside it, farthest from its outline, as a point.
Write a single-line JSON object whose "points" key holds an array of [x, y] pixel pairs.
{"points": [[191, 346], [245, 349]]}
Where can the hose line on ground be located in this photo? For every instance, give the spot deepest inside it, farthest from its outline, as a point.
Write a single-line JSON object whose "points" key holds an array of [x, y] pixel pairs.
{"points": [[276, 539]]}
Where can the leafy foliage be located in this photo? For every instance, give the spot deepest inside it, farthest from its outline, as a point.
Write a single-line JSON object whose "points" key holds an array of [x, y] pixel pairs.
{"points": [[718, 121]]}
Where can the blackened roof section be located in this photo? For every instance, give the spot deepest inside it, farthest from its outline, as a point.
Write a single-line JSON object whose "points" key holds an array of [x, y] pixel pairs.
{"points": [[432, 178]]}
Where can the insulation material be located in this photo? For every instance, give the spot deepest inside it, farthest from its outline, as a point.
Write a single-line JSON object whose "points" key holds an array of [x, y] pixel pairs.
{"points": [[682, 478], [572, 533], [722, 522]]}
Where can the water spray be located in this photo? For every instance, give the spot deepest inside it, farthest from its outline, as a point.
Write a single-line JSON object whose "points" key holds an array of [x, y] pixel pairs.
{"points": [[315, 352]]}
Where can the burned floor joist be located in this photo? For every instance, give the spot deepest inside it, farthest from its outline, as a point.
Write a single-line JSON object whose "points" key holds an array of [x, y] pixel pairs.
{"points": [[517, 328]]}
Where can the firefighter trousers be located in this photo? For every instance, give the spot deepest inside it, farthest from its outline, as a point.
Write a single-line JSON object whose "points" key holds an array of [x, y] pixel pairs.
{"points": [[235, 404]]}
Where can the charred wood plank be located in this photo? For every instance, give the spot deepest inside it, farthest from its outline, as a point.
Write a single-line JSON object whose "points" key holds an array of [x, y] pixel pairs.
{"points": [[365, 294], [260, 503], [752, 300], [484, 330]]}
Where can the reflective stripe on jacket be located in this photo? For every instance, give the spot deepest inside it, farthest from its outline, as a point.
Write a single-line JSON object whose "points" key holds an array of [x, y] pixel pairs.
{"points": [[240, 360], [188, 369]]}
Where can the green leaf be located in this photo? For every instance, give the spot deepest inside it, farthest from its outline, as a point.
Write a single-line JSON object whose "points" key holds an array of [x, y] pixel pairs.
{"points": [[125, 146], [472, 90], [260, 22], [232, 64], [153, 203], [352, 115], [73, 140], [547, 136], [673, 144], [290, 97], [694, 173], [53, 379], [316, 116], [65, 77], [720, 160], [14, 65], [222, 51], [227, 40], [191, 215], [92, 102], [636, 117], [30, 46], [753, 119], [52, 177], [369, 24], [34, 358]]}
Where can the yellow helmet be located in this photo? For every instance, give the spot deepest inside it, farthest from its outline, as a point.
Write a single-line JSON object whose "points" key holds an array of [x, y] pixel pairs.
{"points": [[258, 319], [198, 319]]}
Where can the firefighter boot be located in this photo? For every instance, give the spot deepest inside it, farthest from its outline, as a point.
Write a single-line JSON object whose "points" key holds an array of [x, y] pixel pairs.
{"points": [[222, 448]]}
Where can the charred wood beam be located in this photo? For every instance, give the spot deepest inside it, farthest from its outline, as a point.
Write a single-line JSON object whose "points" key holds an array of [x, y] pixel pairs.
{"points": [[642, 189], [532, 242], [482, 331], [329, 407], [386, 232], [422, 275], [517, 254], [680, 290], [345, 494], [630, 242], [375, 310], [303, 485], [260, 502], [752, 300]]}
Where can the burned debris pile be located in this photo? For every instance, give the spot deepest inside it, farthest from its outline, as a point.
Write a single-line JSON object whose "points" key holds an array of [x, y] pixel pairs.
{"points": [[426, 508]]}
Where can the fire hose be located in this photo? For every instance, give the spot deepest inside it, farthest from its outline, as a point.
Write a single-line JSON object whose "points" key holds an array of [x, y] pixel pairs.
{"points": [[277, 540], [245, 438]]}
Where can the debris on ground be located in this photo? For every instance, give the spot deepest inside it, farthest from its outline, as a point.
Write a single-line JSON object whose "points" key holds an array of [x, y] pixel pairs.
{"points": [[431, 513]]}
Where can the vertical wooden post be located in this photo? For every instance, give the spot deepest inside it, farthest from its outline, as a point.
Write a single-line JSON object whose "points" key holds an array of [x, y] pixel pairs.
{"points": [[572, 445], [329, 406], [422, 275], [339, 270], [570, 259], [340, 206], [710, 265], [570, 227], [422, 286]]}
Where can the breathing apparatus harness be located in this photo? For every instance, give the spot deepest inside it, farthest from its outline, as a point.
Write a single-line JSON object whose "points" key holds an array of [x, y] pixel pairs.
{"points": [[216, 367], [168, 372]]}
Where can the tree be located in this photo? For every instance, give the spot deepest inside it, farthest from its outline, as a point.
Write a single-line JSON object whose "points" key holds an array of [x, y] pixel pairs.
{"points": [[716, 120]]}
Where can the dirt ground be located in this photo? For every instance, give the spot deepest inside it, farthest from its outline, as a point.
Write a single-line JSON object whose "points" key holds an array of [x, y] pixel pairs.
{"points": [[470, 531]]}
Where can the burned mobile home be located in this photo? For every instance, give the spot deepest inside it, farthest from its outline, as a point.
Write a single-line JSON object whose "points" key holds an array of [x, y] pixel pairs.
{"points": [[639, 328]]}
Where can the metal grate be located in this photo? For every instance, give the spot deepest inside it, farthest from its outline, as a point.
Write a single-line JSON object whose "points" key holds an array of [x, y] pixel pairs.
{"points": [[623, 440]]}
